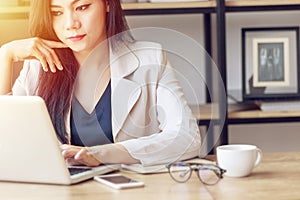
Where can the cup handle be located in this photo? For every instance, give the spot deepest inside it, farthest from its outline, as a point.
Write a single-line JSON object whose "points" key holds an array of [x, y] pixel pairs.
{"points": [[259, 157]]}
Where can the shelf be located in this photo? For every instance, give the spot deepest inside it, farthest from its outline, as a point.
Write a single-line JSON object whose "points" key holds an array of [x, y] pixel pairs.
{"points": [[178, 7], [17, 12], [169, 8], [170, 5], [261, 5], [234, 3], [204, 111], [244, 114], [263, 114]]}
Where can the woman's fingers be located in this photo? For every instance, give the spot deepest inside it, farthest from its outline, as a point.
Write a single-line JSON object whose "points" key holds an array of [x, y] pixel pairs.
{"points": [[48, 55], [50, 46], [73, 162], [87, 159], [49, 59], [40, 56], [75, 155], [69, 151], [36, 48], [54, 44]]}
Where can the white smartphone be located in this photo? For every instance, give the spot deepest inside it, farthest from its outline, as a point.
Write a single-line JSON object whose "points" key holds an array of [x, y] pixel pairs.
{"points": [[118, 181]]}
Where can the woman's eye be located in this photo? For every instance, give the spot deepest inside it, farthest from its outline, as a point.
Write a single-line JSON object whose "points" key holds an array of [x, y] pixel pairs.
{"points": [[56, 13], [83, 7]]}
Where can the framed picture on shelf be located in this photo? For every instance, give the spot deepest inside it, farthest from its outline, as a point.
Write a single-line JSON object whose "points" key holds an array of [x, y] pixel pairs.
{"points": [[270, 63]]}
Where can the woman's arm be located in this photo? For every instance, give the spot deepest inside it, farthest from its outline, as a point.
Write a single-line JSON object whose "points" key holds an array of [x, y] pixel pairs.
{"points": [[94, 156], [31, 48], [5, 71], [179, 136]]}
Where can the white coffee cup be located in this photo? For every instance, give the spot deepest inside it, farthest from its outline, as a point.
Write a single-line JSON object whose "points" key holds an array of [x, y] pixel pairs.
{"points": [[238, 159]]}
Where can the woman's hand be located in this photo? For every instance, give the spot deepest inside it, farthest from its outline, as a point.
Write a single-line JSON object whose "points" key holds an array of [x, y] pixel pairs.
{"points": [[35, 48], [75, 155]]}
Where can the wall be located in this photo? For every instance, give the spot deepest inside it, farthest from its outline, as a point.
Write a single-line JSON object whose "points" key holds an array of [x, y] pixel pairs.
{"points": [[191, 26]]}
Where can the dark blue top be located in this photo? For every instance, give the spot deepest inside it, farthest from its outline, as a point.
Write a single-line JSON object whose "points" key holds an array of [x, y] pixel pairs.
{"points": [[95, 128]]}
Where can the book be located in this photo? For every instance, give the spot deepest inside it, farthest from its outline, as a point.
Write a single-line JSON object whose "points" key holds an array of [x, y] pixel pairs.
{"points": [[279, 106]]}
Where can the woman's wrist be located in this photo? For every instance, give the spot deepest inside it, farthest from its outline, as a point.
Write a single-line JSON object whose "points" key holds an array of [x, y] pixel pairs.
{"points": [[6, 63], [112, 154]]}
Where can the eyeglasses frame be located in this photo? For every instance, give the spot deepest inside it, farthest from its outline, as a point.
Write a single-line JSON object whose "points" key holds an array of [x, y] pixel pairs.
{"points": [[198, 167]]}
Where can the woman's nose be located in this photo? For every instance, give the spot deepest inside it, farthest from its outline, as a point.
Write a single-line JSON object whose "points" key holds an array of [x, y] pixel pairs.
{"points": [[72, 21]]}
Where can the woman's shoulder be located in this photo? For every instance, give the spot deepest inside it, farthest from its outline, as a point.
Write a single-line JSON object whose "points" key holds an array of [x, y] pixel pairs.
{"points": [[150, 55], [146, 49], [143, 53], [145, 44]]}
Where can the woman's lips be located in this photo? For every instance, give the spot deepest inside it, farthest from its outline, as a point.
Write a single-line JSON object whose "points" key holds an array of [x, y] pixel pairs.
{"points": [[76, 38]]}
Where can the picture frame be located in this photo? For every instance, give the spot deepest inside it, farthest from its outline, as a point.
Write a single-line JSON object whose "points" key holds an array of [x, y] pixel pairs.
{"points": [[270, 63]]}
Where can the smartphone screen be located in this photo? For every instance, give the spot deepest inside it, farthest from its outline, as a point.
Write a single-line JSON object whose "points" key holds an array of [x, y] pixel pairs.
{"points": [[118, 179]]}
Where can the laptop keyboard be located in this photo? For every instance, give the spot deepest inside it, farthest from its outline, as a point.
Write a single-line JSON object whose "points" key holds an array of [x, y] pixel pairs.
{"points": [[73, 171]]}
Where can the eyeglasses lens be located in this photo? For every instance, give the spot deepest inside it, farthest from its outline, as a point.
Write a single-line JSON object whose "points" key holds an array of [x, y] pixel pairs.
{"points": [[180, 172], [208, 176]]}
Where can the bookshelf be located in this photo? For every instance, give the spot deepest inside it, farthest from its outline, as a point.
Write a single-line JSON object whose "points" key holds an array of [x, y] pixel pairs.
{"points": [[235, 114]]}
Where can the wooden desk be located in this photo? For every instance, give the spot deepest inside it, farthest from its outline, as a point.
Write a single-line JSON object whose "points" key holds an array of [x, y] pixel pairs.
{"points": [[277, 177]]}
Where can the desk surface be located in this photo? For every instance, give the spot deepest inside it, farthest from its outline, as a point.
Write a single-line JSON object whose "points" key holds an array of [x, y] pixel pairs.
{"points": [[277, 177]]}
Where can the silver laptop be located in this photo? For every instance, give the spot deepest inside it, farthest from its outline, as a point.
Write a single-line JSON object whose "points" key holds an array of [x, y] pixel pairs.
{"points": [[29, 149]]}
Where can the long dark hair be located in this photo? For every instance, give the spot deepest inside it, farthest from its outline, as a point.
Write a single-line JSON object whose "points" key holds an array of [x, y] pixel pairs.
{"points": [[57, 88]]}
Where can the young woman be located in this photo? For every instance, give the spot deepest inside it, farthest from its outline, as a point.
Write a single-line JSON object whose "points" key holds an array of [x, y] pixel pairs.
{"points": [[111, 99]]}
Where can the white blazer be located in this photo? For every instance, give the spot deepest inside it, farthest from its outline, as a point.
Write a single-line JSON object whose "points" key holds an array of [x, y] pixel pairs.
{"points": [[150, 116]]}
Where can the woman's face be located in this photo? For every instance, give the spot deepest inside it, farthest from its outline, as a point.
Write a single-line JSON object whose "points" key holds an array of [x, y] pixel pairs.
{"points": [[80, 24]]}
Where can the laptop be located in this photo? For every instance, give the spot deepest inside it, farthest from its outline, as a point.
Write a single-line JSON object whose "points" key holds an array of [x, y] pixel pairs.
{"points": [[29, 149]]}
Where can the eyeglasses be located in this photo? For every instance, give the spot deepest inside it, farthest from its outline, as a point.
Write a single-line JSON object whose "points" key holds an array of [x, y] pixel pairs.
{"points": [[208, 174]]}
